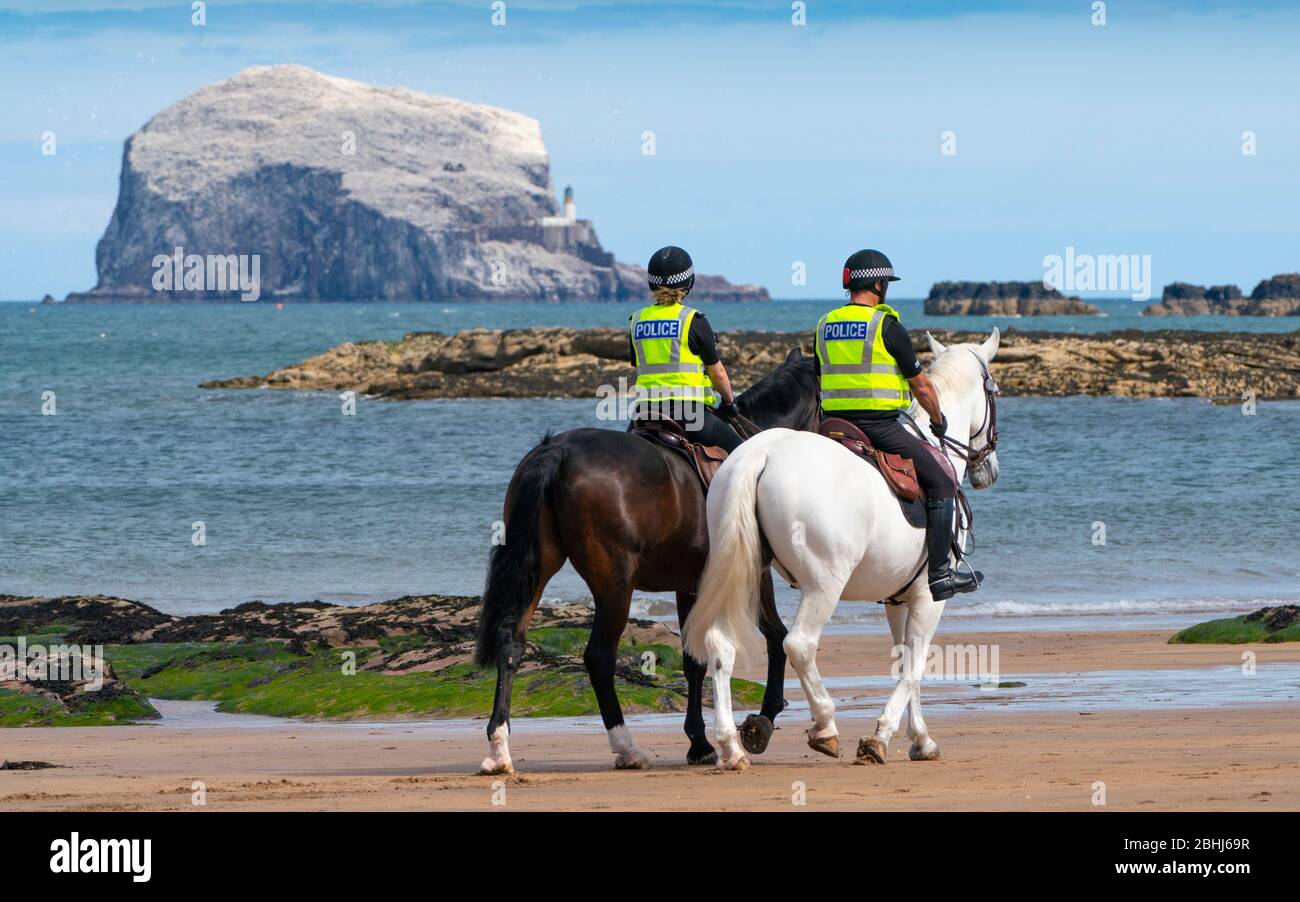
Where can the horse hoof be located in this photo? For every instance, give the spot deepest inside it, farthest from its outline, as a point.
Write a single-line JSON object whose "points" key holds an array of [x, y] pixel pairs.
{"points": [[870, 751], [491, 767], [827, 745], [631, 761], [756, 733], [709, 755], [739, 763], [927, 752]]}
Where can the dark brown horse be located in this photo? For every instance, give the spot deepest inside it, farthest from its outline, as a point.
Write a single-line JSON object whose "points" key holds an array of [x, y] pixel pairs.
{"points": [[629, 515]]}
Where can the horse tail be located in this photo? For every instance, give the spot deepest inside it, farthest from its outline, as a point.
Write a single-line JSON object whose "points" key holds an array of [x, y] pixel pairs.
{"points": [[515, 565], [727, 606]]}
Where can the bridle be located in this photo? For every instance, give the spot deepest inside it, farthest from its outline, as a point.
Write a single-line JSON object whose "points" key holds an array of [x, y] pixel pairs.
{"points": [[972, 457], [989, 426]]}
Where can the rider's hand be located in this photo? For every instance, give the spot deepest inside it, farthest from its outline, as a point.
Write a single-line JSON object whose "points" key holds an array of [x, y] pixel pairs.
{"points": [[727, 410], [938, 429]]}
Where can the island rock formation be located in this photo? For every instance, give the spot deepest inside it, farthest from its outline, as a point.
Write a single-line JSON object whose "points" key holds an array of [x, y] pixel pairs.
{"points": [[1002, 299], [320, 188], [1278, 296]]}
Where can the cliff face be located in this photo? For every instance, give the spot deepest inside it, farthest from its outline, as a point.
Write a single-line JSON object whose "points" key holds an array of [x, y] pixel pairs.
{"points": [[1278, 296], [1002, 299], [345, 191]]}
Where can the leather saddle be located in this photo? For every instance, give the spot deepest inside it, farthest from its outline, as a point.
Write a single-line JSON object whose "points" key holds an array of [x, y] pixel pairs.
{"points": [[704, 459], [899, 471]]}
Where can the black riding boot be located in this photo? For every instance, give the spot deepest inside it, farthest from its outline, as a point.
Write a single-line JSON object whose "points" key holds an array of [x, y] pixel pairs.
{"points": [[944, 581]]}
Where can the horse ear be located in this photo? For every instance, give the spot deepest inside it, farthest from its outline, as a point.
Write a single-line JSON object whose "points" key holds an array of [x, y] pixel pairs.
{"points": [[990, 347], [935, 345], [796, 353]]}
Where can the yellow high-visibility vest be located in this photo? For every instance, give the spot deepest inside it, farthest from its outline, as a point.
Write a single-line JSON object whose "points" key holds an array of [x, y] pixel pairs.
{"points": [[666, 368], [857, 371]]}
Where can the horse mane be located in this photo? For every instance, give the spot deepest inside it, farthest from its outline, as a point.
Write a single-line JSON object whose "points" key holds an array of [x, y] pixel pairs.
{"points": [[781, 390], [950, 372]]}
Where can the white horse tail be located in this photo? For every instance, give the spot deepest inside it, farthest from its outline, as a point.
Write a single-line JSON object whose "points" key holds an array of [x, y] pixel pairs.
{"points": [[727, 605]]}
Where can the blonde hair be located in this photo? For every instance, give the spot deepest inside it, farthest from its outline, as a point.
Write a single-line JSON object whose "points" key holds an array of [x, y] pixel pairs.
{"points": [[666, 295]]}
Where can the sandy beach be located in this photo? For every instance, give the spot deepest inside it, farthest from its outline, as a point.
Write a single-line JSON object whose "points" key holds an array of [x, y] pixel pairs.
{"points": [[1227, 757], [1064, 651]]}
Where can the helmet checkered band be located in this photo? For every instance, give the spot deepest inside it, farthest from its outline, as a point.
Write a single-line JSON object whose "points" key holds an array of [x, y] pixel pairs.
{"points": [[674, 279], [877, 272]]}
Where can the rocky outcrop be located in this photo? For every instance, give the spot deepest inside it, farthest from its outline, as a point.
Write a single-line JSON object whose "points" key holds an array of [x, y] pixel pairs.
{"points": [[415, 633], [572, 363], [113, 619], [1277, 618], [52, 679], [551, 362], [1280, 288], [1278, 296], [445, 621], [1002, 299], [320, 188], [1185, 299]]}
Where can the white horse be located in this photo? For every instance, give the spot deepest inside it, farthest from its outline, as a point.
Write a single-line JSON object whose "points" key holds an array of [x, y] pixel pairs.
{"points": [[835, 531]]}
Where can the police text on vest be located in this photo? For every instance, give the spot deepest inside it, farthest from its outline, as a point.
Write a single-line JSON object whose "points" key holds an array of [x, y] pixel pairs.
{"points": [[656, 328], [855, 330]]}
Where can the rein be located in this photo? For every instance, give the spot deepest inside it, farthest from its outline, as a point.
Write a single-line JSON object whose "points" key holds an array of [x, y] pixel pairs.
{"points": [[963, 450], [972, 457], [744, 426]]}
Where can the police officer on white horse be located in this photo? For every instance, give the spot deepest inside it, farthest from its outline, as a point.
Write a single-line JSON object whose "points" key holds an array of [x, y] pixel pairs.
{"points": [[675, 352], [869, 374]]}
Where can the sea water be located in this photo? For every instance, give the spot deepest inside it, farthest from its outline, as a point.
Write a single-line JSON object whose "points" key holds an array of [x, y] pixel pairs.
{"points": [[1108, 512]]}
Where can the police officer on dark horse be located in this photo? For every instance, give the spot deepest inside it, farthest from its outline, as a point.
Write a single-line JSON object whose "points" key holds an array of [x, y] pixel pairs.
{"points": [[629, 514], [675, 352]]}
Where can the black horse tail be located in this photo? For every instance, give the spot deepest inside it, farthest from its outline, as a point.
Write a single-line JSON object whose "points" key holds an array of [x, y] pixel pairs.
{"points": [[515, 564]]}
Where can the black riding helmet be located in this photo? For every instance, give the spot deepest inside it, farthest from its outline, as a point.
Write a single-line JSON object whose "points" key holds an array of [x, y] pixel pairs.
{"points": [[671, 267], [866, 268]]}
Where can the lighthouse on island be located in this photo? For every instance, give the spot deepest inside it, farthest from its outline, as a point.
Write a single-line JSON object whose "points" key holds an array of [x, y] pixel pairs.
{"points": [[565, 234], [570, 216]]}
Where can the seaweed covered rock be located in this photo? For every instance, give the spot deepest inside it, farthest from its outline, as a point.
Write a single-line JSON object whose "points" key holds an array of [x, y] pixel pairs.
{"points": [[63, 688], [1280, 623], [404, 658]]}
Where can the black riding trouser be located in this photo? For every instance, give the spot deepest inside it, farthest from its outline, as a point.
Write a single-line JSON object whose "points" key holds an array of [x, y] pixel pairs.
{"points": [[891, 436], [702, 425]]}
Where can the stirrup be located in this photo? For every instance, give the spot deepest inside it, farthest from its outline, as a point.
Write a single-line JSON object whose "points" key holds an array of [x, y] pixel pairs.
{"points": [[949, 584]]}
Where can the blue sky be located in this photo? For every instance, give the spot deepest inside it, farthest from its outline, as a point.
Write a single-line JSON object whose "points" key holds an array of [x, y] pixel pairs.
{"points": [[775, 143]]}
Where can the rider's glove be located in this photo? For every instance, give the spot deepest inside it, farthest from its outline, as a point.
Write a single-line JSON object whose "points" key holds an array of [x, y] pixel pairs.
{"points": [[939, 428], [727, 410]]}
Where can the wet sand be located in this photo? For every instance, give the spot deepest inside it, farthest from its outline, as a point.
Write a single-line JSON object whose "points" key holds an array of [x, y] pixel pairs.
{"points": [[1243, 757], [1036, 652]]}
